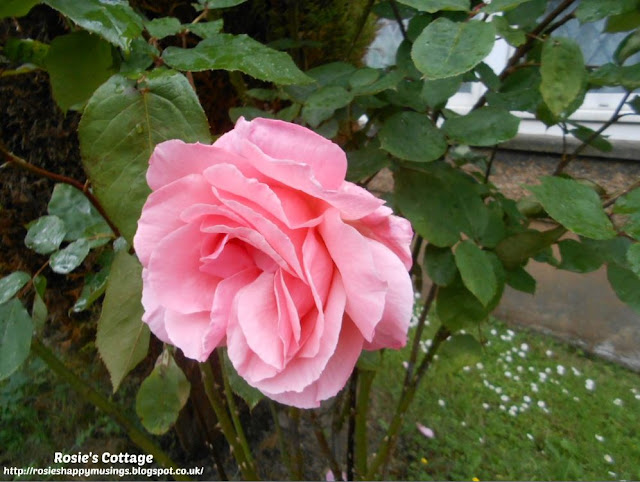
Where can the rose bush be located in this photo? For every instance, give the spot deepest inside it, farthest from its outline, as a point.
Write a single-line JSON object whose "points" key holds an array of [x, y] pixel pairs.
{"points": [[259, 243]]}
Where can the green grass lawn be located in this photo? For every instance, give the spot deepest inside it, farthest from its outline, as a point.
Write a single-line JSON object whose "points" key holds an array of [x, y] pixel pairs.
{"points": [[532, 409]]}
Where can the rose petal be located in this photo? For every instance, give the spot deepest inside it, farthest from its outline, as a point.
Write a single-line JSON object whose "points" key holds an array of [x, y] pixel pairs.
{"points": [[175, 275], [153, 309], [162, 210], [288, 145], [352, 255], [426, 431], [187, 332]]}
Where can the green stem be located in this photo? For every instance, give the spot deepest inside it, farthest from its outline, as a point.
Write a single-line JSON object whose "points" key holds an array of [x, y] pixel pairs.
{"points": [[362, 409], [284, 452], [137, 436], [235, 414], [324, 446], [415, 347], [297, 461], [379, 463], [351, 428], [226, 425]]}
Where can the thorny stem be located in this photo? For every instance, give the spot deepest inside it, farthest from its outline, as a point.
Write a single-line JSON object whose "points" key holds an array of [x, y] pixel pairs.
{"points": [[415, 348], [614, 118], [351, 428], [284, 452], [396, 14], [362, 408], [324, 446], [19, 162], [235, 414], [137, 436], [379, 463], [226, 425]]}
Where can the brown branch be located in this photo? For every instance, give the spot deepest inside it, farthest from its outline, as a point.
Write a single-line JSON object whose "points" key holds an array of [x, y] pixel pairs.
{"points": [[619, 194], [613, 119], [19, 162], [396, 14]]}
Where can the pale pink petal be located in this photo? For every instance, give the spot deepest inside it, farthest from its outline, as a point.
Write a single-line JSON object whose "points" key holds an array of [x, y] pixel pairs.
{"points": [[426, 431], [365, 287], [174, 159], [391, 331], [288, 317], [257, 313], [187, 331], [175, 275], [162, 210], [288, 144], [394, 232], [153, 309]]}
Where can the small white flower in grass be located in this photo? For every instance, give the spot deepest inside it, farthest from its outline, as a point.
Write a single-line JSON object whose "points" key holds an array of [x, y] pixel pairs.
{"points": [[534, 388], [542, 376], [541, 404], [618, 402], [486, 406], [493, 332], [560, 370], [511, 333], [565, 391], [505, 398], [524, 347], [549, 353], [522, 354], [532, 369], [463, 423], [633, 390], [576, 399], [441, 402], [612, 474], [498, 390], [502, 407], [524, 407], [405, 364], [479, 366], [637, 397], [599, 438], [481, 440], [504, 337], [529, 436], [547, 371], [576, 372], [590, 384], [428, 342], [519, 368], [426, 431], [508, 359], [513, 413], [527, 398], [516, 378], [466, 369], [508, 374], [608, 459], [514, 349]]}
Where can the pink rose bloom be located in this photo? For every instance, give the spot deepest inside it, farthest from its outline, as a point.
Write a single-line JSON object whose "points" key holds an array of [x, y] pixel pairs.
{"points": [[259, 243]]}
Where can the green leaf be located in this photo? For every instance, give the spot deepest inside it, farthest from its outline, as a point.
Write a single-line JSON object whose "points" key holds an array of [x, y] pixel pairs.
{"points": [[441, 203], [386, 81], [366, 162], [45, 234], [592, 10], [458, 352], [623, 22], [162, 395], [563, 73], [16, 8], [515, 250], [578, 257], [486, 126], [629, 203], [11, 284], [412, 137], [122, 338], [116, 155], [440, 265], [633, 257], [289, 113], [113, 20], [76, 211], [236, 52], [611, 250], [614, 75], [321, 105], [249, 113], [26, 51], [476, 271], [363, 77], [140, 57], [39, 312], [502, 6], [16, 329], [206, 29], [513, 36], [95, 284], [69, 258], [407, 94], [433, 6], [446, 48], [78, 64], [526, 15], [458, 308], [519, 279], [437, 92], [240, 387], [635, 104], [626, 285], [383, 9], [163, 27], [629, 46], [599, 142], [575, 206], [212, 4]]}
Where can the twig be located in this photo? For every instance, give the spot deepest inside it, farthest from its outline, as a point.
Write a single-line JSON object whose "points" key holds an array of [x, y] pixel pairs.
{"points": [[614, 118], [19, 162], [618, 195], [324, 446], [492, 156], [396, 14], [415, 348], [284, 452], [137, 436], [360, 29]]}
